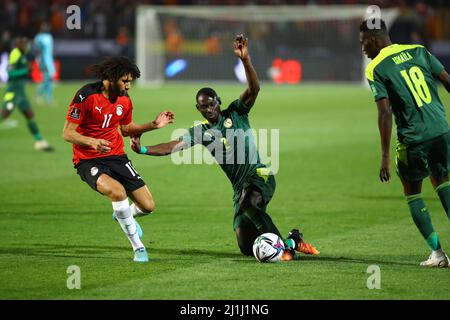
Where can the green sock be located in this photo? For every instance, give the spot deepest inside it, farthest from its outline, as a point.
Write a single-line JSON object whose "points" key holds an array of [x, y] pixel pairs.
{"points": [[32, 126], [443, 191], [422, 219], [261, 220]]}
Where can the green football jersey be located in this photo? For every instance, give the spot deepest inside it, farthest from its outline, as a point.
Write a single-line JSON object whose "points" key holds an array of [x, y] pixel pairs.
{"points": [[230, 141], [405, 75], [17, 68]]}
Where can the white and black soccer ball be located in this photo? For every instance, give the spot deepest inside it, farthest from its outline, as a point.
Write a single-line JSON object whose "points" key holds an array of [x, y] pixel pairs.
{"points": [[268, 247]]}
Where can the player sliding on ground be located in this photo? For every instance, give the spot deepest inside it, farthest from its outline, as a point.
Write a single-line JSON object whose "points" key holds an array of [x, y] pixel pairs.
{"points": [[402, 81], [252, 181], [95, 113]]}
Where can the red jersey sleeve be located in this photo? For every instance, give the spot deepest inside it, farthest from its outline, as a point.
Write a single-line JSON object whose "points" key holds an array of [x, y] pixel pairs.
{"points": [[128, 116], [76, 110]]}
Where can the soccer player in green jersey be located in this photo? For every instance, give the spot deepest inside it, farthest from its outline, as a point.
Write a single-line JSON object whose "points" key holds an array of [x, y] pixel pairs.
{"points": [[18, 69], [253, 183], [402, 81]]}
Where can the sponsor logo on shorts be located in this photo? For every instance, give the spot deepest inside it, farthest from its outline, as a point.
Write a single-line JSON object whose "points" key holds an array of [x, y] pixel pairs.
{"points": [[94, 171]]}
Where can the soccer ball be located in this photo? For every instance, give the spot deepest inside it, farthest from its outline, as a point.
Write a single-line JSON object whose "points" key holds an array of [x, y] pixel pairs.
{"points": [[268, 247]]}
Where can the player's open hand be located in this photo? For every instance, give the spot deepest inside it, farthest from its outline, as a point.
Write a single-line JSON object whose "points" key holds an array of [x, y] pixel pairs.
{"points": [[385, 174], [101, 145], [135, 143], [241, 47], [163, 119]]}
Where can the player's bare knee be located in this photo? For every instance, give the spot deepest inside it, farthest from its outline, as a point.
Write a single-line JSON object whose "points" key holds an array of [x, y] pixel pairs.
{"points": [[244, 203], [116, 194], [147, 207], [28, 114], [252, 198]]}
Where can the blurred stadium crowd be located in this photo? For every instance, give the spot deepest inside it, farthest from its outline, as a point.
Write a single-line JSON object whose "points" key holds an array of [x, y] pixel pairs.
{"points": [[116, 19], [108, 27]]}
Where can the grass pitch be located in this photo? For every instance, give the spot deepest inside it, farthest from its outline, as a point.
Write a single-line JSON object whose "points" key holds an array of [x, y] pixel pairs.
{"points": [[327, 186]]}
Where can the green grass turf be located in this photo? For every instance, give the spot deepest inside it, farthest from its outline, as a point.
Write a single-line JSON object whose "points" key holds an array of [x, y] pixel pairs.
{"points": [[327, 185]]}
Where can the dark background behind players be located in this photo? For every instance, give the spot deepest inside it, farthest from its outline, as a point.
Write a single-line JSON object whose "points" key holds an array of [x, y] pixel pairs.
{"points": [[110, 30]]}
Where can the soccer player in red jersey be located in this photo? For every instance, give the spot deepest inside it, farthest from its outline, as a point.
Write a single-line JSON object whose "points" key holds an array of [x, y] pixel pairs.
{"points": [[95, 113]]}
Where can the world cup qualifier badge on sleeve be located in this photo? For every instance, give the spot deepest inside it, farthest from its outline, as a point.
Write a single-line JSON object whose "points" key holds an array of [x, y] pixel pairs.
{"points": [[75, 113]]}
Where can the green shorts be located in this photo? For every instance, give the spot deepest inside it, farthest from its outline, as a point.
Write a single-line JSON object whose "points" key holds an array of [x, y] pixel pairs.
{"points": [[15, 96], [262, 180], [418, 161]]}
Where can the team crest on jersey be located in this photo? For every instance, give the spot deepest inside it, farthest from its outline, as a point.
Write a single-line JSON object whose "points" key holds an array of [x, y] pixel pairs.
{"points": [[94, 171], [228, 123], [119, 110]]}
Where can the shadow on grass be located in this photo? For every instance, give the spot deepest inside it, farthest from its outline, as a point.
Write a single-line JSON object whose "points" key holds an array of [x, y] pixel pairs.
{"points": [[197, 252], [400, 197], [63, 251], [100, 251], [341, 259]]}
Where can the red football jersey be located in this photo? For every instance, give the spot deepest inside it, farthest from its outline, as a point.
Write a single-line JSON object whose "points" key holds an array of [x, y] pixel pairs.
{"points": [[98, 118]]}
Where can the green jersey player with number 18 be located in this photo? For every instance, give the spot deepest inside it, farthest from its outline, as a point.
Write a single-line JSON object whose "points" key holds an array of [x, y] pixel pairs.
{"points": [[402, 81]]}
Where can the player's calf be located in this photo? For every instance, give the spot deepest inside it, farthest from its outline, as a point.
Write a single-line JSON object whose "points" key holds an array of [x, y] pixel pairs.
{"points": [[245, 237], [443, 191], [128, 225], [246, 250], [143, 209], [111, 188]]}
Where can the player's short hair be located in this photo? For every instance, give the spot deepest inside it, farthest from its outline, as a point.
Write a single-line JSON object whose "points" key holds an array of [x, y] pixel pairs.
{"points": [[374, 26], [208, 91], [114, 68]]}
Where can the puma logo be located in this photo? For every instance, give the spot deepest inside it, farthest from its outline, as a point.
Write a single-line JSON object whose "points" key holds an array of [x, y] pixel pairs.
{"points": [[99, 109]]}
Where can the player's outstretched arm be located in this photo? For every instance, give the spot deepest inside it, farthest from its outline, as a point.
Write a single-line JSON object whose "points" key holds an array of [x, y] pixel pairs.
{"points": [[444, 77], [161, 120], [71, 135], [385, 127], [161, 149], [248, 97]]}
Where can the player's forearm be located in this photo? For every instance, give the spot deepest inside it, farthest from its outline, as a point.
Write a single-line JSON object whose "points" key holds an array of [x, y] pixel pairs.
{"points": [[252, 77], [163, 149], [135, 129], [446, 84], [445, 79], [385, 128], [447, 87], [77, 138]]}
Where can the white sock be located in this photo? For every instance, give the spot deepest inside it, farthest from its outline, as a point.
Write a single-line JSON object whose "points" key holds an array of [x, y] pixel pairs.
{"points": [[127, 223], [136, 212]]}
